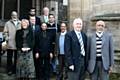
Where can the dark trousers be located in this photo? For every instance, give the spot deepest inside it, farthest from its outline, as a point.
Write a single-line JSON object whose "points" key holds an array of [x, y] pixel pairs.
{"points": [[79, 73], [37, 68], [62, 67], [11, 65], [44, 67]]}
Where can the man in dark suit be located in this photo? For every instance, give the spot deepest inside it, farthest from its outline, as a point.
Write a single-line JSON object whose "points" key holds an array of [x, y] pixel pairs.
{"points": [[32, 13], [33, 24], [75, 51], [101, 53], [35, 28], [44, 52]]}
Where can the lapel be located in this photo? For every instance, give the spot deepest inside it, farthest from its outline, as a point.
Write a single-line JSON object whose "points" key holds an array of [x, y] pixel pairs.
{"points": [[94, 39], [74, 37], [103, 38], [58, 37], [18, 22], [42, 18], [83, 38]]}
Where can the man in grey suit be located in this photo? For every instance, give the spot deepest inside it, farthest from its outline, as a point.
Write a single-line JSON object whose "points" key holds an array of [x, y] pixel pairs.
{"points": [[100, 48], [45, 16]]}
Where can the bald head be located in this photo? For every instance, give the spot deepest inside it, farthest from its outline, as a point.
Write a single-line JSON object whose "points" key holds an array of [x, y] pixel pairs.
{"points": [[100, 25], [14, 15], [46, 11], [77, 24]]}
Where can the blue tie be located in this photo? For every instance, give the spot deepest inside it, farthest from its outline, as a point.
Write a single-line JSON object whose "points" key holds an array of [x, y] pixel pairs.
{"points": [[81, 44]]}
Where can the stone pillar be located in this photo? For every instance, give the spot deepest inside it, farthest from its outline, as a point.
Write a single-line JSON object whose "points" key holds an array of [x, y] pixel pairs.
{"points": [[33, 3], [37, 7], [18, 7], [3, 7]]}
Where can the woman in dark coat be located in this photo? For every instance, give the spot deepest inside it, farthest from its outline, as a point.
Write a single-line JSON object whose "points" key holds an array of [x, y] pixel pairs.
{"points": [[24, 44]]}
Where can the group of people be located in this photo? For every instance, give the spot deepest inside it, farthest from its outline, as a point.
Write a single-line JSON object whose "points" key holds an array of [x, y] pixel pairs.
{"points": [[36, 41]]}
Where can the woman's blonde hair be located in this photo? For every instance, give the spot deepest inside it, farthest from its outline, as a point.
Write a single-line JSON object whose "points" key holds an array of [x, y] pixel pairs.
{"points": [[26, 21]]}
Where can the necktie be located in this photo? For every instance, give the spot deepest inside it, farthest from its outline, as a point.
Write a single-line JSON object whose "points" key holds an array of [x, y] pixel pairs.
{"points": [[81, 44], [33, 27]]}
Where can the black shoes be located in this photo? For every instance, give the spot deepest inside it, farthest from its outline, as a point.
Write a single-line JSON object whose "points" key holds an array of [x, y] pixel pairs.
{"points": [[9, 73]]}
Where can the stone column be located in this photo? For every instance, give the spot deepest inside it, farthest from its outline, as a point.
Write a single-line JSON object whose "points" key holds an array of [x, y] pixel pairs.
{"points": [[3, 6], [37, 7], [18, 7], [33, 3]]}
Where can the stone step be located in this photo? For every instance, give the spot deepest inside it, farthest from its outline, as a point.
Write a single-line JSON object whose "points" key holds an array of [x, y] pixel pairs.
{"points": [[4, 76]]}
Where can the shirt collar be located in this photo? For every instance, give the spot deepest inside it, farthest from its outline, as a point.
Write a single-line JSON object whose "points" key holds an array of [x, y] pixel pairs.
{"points": [[77, 32], [63, 33], [99, 34]]}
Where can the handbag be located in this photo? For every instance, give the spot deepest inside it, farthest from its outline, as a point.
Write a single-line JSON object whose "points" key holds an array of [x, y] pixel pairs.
{"points": [[4, 45]]}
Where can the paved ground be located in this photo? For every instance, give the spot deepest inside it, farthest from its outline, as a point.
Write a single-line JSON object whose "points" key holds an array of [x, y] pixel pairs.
{"points": [[3, 74]]}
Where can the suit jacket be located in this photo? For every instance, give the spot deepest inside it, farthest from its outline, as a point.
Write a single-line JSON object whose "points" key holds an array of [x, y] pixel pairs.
{"points": [[43, 45], [57, 43], [42, 18], [107, 51], [19, 39], [73, 49], [9, 33], [37, 29], [37, 21]]}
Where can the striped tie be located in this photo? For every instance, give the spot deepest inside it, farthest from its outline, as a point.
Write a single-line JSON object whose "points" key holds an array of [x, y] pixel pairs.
{"points": [[81, 44]]}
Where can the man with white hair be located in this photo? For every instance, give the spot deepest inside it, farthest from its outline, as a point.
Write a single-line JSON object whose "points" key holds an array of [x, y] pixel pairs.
{"points": [[9, 33], [75, 51], [44, 17]]}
